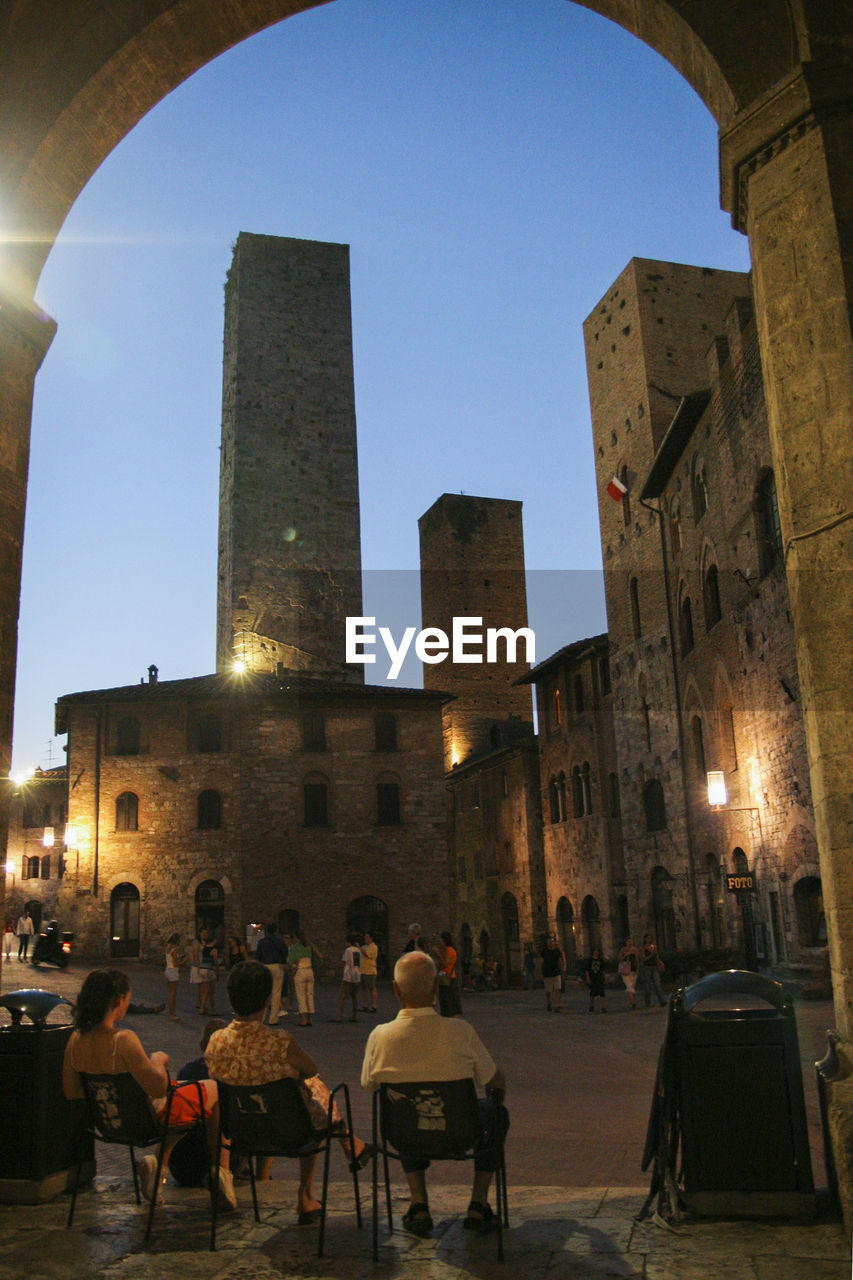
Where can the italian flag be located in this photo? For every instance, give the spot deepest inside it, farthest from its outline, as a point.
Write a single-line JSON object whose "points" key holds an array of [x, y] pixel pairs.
{"points": [[617, 489]]}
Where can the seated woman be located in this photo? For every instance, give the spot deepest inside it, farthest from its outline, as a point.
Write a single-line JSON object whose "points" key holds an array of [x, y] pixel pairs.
{"points": [[97, 1047], [247, 1052]]}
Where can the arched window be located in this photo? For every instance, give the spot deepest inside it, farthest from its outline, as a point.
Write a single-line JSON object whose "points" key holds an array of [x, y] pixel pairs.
{"points": [[586, 788], [578, 683], [127, 812], [634, 592], [654, 805], [698, 745], [315, 798], [385, 731], [554, 800], [209, 906], [675, 528], [127, 736], [577, 793], [209, 810], [314, 731], [711, 598], [615, 798], [700, 491], [685, 626], [769, 529]]}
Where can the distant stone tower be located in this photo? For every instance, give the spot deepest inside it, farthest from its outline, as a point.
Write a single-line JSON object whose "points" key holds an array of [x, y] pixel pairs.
{"points": [[289, 538], [472, 565]]}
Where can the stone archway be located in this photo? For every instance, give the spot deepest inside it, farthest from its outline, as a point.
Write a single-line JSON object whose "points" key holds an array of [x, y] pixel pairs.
{"points": [[775, 76]]}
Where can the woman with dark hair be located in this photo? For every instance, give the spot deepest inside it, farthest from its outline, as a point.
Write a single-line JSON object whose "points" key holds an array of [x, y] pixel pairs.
{"points": [[98, 1047], [300, 957], [247, 1052]]}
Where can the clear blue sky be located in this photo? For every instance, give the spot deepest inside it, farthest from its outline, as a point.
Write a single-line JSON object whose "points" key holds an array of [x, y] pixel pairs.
{"points": [[493, 165]]}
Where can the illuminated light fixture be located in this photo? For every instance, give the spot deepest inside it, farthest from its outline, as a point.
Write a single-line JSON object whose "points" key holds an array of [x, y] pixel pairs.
{"points": [[22, 776], [10, 868], [70, 836], [239, 666], [717, 794], [47, 838]]}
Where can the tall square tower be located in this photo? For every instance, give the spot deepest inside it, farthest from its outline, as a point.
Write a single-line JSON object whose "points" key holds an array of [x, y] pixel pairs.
{"points": [[289, 537]]}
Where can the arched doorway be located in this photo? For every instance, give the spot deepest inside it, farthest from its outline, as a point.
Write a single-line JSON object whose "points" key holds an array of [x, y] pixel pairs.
{"points": [[210, 907], [566, 932], [512, 941], [124, 921], [591, 921], [663, 911], [370, 915], [288, 921], [808, 905]]}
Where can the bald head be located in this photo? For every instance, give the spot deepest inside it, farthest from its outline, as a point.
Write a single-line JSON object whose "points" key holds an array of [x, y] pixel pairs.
{"points": [[415, 980]]}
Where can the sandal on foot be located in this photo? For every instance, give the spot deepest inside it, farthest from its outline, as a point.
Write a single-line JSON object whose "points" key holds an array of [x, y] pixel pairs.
{"points": [[417, 1220], [307, 1217], [364, 1157], [480, 1218]]}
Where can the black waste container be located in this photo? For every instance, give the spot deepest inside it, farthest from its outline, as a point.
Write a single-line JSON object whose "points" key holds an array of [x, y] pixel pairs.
{"points": [[739, 1085], [38, 1126]]}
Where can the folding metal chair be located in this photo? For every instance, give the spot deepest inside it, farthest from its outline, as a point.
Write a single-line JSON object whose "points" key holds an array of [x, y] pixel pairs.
{"points": [[119, 1112], [436, 1120], [273, 1120]]}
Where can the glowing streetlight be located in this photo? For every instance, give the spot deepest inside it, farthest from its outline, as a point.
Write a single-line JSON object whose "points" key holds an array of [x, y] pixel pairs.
{"points": [[47, 838], [717, 794]]}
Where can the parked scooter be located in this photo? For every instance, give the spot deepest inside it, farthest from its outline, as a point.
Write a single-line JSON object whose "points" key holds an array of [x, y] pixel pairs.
{"points": [[52, 947]]}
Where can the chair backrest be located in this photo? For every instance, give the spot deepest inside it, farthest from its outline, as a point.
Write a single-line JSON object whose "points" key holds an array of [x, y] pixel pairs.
{"points": [[120, 1109], [267, 1119], [435, 1120]]}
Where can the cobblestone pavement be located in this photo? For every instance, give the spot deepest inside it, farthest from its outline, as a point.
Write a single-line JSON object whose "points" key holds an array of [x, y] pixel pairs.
{"points": [[579, 1092]]}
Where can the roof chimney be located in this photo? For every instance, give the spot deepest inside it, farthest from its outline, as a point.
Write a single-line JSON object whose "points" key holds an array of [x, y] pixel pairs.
{"points": [[152, 674]]}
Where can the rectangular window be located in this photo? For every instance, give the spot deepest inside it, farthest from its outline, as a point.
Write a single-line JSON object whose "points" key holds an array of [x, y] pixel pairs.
{"points": [[316, 804], [388, 804]]}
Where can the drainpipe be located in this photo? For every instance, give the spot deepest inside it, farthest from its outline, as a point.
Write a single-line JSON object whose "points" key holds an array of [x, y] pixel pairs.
{"points": [[691, 874]]}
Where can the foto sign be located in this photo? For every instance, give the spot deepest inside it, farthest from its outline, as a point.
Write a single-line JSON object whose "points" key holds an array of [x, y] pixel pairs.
{"points": [[743, 882]]}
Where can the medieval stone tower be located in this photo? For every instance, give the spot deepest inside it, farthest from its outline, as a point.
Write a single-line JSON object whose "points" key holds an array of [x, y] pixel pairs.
{"points": [[289, 540], [472, 566]]}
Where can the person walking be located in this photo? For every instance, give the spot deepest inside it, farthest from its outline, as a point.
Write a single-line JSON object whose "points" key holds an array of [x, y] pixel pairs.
{"points": [[300, 957], [369, 958], [172, 972], [8, 938], [650, 968], [24, 931], [594, 971], [553, 972], [628, 962], [272, 952]]}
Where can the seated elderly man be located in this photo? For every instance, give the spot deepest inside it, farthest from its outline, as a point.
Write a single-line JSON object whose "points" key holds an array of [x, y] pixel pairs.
{"points": [[419, 1045]]}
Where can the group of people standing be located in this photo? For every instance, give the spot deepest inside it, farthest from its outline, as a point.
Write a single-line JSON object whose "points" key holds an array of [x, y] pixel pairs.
{"points": [[633, 965]]}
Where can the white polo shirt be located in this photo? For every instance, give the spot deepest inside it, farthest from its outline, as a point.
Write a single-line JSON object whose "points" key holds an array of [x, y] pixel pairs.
{"points": [[420, 1045]]}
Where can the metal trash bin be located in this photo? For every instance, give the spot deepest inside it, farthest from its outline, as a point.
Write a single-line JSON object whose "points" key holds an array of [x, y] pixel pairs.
{"points": [[38, 1126], [744, 1137]]}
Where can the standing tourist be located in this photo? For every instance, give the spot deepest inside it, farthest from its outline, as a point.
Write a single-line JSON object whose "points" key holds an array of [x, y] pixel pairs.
{"points": [[449, 1001], [369, 957], [25, 932], [235, 951], [272, 952], [351, 980], [553, 970], [203, 971], [414, 936], [650, 969], [594, 971], [629, 970], [172, 973], [8, 938], [300, 957]]}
